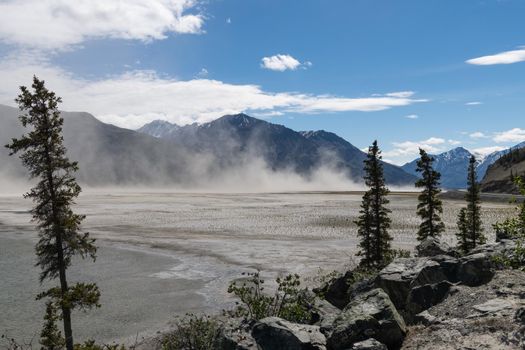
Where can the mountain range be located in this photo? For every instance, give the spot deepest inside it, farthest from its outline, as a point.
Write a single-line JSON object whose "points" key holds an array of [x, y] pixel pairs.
{"points": [[453, 165], [281, 148], [165, 153], [162, 153]]}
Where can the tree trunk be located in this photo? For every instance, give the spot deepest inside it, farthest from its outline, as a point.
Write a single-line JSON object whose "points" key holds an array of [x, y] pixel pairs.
{"points": [[66, 311]]}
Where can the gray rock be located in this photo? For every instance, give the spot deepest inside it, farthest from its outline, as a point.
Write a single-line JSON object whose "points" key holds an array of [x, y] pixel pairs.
{"points": [[425, 318], [370, 315], [504, 246], [423, 297], [340, 290], [400, 276], [324, 315], [369, 344], [519, 316], [476, 269], [235, 335], [494, 306], [432, 247], [273, 333]]}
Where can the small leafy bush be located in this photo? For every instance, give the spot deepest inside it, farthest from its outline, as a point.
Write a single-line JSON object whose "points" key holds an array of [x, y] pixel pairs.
{"points": [[513, 228], [514, 260], [289, 301], [192, 333]]}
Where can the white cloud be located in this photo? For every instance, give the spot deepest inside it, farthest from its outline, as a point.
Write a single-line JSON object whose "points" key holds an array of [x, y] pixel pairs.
{"points": [[473, 103], [137, 97], [484, 151], [512, 135], [506, 57], [477, 135], [283, 62], [401, 94], [411, 148], [203, 73], [412, 116], [228, 20], [59, 24]]}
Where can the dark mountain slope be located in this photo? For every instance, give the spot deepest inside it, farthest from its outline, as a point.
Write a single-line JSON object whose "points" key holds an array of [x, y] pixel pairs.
{"points": [[349, 158], [107, 155], [498, 177], [235, 139]]}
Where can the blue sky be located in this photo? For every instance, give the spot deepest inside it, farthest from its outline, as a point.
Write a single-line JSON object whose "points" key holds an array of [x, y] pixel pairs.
{"points": [[410, 73]]}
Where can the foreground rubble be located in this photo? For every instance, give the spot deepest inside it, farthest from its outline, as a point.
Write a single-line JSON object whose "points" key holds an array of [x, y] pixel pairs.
{"points": [[438, 300]]}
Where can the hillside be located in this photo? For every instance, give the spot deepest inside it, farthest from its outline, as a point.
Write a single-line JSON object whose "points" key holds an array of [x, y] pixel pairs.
{"points": [[498, 176], [107, 155]]}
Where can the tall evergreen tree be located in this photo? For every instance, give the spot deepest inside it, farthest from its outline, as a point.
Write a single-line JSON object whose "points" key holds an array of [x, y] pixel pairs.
{"points": [[430, 206], [470, 233], [364, 224], [374, 221], [44, 155]]}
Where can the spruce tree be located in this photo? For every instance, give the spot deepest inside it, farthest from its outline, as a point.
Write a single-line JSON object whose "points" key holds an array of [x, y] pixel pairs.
{"points": [[60, 238], [373, 224], [430, 206], [364, 224], [470, 233]]}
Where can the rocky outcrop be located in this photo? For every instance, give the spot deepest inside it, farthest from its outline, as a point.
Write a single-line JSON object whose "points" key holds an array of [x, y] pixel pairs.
{"points": [[476, 269], [402, 275], [433, 246], [324, 315], [423, 297], [449, 302], [235, 335], [273, 333], [369, 344], [370, 315], [340, 290], [489, 316]]}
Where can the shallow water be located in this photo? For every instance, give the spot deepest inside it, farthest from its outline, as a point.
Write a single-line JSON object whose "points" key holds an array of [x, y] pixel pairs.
{"points": [[169, 253], [133, 298]]}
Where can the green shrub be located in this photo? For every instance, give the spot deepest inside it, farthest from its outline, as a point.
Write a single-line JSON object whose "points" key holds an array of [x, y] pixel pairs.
{"points": [[289, 301], [513, 228], [514, 260], [192, 333]]}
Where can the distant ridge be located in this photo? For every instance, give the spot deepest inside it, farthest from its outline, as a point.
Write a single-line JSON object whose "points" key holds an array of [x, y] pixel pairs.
{"points": [[159, 128], [243, 136], [498, 178], [453, 165]]}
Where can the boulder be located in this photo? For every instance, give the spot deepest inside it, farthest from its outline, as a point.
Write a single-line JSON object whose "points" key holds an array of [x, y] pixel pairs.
{"points": [[235, 335], [273, 333], [336, 291], [425, 318], [503, 246], [369, 315], [340, 290], [476, 269], [369, 344], [403, 274], [423, 297], [324, 315], [433, 246]]}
